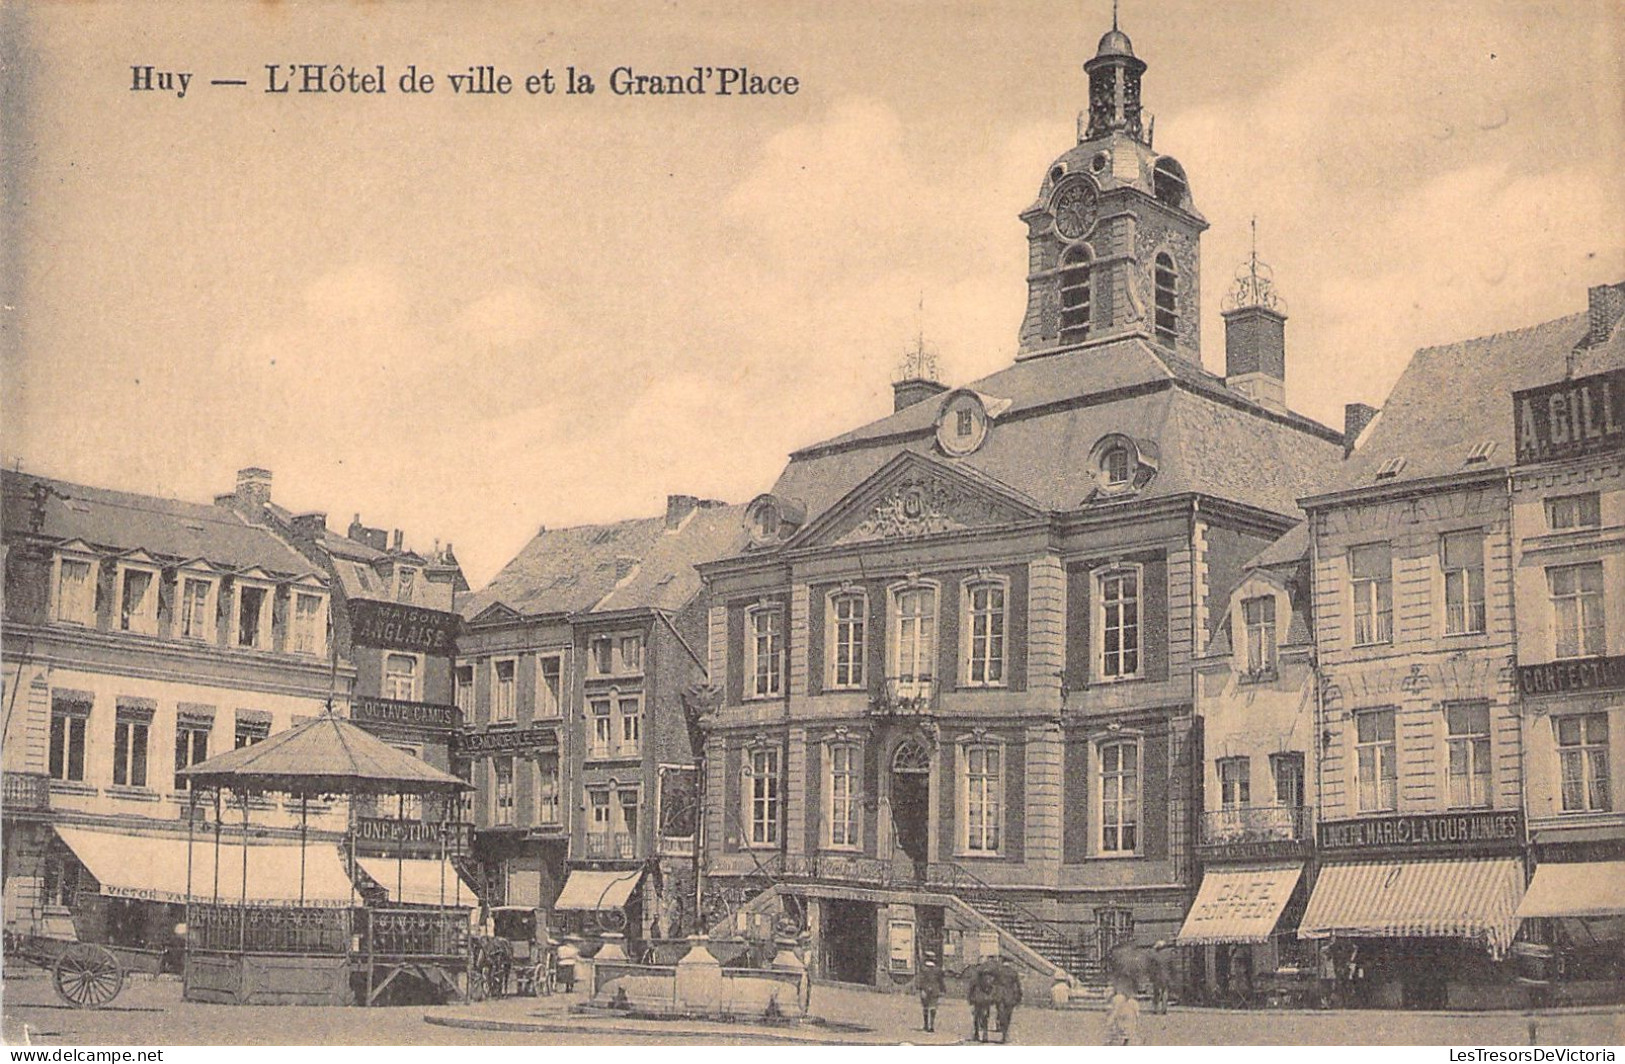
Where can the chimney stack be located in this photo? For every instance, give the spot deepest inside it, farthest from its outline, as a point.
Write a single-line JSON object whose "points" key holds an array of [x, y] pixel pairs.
{"points": [[1255, 355], [309, 526], [396, 543], [909, 392], [1356, 416], [1606, 305], [678, 507], [253, 489]]}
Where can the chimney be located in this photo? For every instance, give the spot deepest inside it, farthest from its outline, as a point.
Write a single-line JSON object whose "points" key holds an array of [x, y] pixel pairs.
{"points": [[253, 489], [1356, 416], [1606, 305], [395, 545], [914, 390], [678, 507], [357, 531], [1255, 355], [309, 526]]}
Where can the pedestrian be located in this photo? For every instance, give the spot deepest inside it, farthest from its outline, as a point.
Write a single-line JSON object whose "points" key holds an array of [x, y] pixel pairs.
{"points": [[929, 985], [568, 955], [1006, 994], [1122, 1019], [979, 992]]}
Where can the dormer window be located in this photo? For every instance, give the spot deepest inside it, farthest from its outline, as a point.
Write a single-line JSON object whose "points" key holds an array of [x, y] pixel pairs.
{"points": [[252, 617], [1258, 617], [1481, 452], [406, 584], [1121, 464], [1390, 469], [965, 423], [1167, 296], [196, 613], [1075, 296], [307, 628], [76, 590], [1116, 467], [138, 600]]}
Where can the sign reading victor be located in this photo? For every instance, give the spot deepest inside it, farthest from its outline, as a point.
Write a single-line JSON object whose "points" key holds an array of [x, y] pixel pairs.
{"points": [[1488, 830], [392, 626], [1578, 674], [394, 711], [1571, 418]]}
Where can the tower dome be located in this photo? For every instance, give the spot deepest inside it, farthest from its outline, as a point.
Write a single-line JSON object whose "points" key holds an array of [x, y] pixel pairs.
{"points": [[1115, 42]]}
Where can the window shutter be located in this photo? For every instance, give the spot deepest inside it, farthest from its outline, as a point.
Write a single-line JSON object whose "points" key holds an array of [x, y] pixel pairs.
{"points": [[1075, 802], [1014, 844], [1078, 617], [817, 659], [1153, 810], [813, 794]]}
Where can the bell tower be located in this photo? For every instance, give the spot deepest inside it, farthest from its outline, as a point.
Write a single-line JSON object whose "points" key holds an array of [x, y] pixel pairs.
{"points": [[1114, 236]]}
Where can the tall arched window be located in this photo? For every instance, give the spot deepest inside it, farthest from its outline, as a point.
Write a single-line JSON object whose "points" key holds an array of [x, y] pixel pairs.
{"points": [[1167, 306], [1075, 296], [914, 639]]}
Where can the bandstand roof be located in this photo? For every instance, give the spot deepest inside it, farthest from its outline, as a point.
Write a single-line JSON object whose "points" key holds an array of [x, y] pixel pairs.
{"points": [[325, 755]]}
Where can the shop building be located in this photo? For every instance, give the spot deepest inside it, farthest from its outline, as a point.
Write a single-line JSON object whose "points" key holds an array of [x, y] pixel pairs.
{"points": [[1568, 535], [953, 704], [143, 635], [1255, 697], [1423, 745], [393, 621], [570, 674]]}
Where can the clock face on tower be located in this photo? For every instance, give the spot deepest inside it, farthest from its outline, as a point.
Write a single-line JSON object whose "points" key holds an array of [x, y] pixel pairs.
{"points": [[1075, 210]]}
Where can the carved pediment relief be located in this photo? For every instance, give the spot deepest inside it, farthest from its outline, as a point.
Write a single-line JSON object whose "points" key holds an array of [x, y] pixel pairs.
{"points": [[920, 504]]}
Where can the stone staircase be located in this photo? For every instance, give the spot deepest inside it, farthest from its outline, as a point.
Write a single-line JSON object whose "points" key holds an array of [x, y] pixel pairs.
{"points": [[1080, 959]]}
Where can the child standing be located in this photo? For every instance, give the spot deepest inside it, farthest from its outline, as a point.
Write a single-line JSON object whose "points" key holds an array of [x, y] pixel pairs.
{"points": [[1122, 1019], [929, 985]]}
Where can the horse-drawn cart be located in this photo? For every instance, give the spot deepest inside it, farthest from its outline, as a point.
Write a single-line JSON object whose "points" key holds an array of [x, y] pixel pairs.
{"points": [[85, 974]]}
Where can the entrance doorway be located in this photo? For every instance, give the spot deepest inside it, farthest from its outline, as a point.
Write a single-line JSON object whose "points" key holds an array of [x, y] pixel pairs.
{"points": [[849, 933], [911, 799]]}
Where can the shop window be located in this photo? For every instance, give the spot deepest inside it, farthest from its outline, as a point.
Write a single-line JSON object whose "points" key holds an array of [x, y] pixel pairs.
{"points": [[401, 677], [1463, 562], [1577, 609], [69, 718], [1468, 728], [502, 691], [1372, 586], [1582, 752], [1375, 761]]}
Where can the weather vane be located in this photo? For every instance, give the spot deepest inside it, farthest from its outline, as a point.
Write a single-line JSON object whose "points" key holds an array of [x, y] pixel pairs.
{"points": [[1255, 283]]}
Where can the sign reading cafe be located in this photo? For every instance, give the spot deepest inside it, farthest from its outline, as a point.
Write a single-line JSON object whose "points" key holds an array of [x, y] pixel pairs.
{"points": [[1493, 830], [1570, 418], [392, 626]]}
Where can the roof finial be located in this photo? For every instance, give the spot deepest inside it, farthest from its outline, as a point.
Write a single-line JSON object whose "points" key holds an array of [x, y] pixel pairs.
{"points": [[1255, 282], [1114, 14], [920, 362]]}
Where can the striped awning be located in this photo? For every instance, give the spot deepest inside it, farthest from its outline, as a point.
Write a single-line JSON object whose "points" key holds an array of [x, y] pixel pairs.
{"points": [[1590, 888], [1239, 904], [1454, 898]]}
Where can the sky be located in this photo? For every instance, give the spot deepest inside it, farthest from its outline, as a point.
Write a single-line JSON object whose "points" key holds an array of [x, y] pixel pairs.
{"points": [[468, 317]]}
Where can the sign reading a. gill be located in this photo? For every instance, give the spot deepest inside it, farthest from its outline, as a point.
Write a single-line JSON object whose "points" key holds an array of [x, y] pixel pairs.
{"points": [[1570, 418]]}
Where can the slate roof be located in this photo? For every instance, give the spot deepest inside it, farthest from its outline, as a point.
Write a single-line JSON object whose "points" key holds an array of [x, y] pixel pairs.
{"points": [[1453, 397], [573, 570], [1209, 440], [121, 521]]}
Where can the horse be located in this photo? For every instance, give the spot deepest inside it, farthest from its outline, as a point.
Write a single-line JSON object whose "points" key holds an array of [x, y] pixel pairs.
{"points": [[490, 962], [1129, 966]]}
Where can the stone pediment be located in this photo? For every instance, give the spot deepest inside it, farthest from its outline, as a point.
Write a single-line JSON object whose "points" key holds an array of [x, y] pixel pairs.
{"points": [[913, 498]]}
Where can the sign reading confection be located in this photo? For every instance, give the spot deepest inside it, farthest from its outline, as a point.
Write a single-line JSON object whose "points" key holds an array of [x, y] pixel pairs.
{"points": [[1579, 674], [394, 711], [393, 626], [1487, 831], [1570, 418]]}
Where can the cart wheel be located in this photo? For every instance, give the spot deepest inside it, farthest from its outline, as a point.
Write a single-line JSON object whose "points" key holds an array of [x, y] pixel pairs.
{"points": [[87, 976]]}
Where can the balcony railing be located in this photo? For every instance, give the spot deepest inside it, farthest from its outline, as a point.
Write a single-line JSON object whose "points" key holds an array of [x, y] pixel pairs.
{"points": [[26, 792], [1251, 825], [895, 697], [618, 845]]}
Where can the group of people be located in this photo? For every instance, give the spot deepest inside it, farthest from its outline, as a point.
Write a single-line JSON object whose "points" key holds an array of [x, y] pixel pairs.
{"points": [[992, 986]]}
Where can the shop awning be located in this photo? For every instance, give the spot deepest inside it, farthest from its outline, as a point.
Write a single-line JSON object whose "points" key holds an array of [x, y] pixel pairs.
{"points": [[419, 882], [1587, 888], [1456, 898], [1239, 904], [153, 868], [597, 890]]}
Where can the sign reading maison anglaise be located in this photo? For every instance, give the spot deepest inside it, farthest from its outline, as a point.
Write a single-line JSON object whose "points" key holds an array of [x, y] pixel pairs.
{"points": [[1486, 829], [393, 626], [1570, 418]]}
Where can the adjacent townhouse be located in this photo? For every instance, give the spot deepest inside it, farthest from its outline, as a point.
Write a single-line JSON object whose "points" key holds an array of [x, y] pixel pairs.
{"points": [[141, 636], [571, 675]]}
